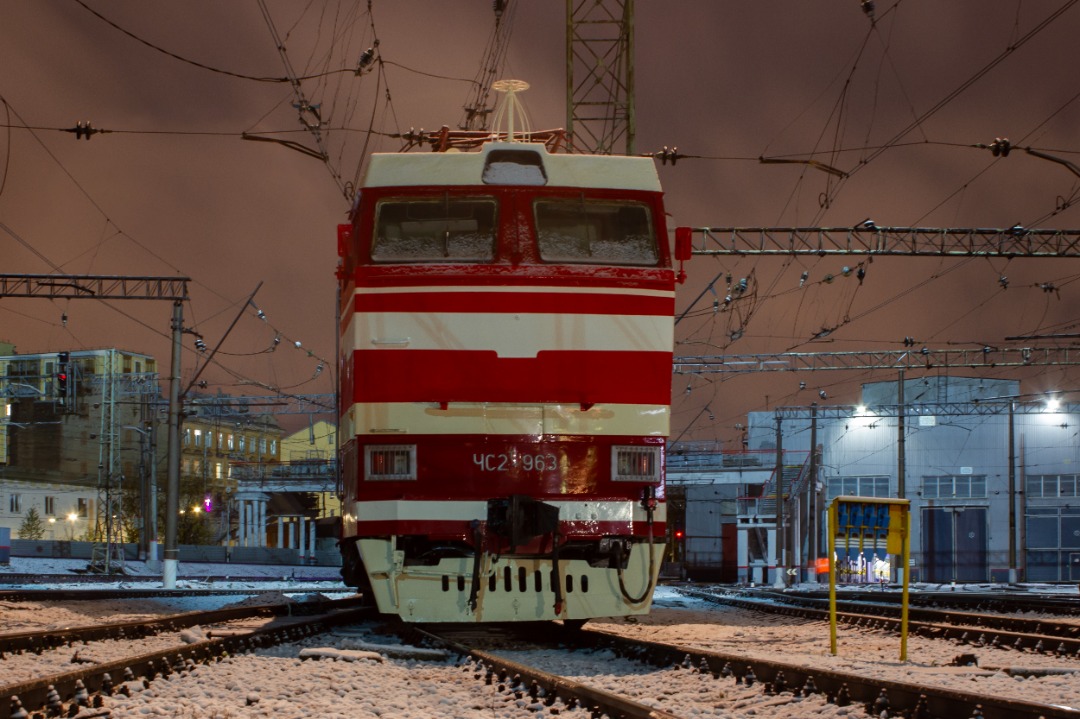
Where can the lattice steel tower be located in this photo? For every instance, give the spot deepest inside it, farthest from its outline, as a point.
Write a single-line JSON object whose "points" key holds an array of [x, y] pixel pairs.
{"points": [[600, 75]]}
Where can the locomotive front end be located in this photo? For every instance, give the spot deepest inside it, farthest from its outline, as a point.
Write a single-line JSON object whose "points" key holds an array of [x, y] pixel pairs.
{"points": [[507, 326]]}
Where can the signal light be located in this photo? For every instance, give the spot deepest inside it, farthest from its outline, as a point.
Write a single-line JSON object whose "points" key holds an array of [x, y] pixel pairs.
{"points": [[62, 375], [678, 534]]}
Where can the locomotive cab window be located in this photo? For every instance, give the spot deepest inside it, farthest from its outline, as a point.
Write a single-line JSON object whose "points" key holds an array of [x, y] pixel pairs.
{"points": [[595, 232], [445, 229]]}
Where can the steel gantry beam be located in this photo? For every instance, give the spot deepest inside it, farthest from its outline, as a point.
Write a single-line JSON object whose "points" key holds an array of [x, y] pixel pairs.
{"points": [[100, 287], [974, 408], [876, 360], [269, 403], [869, 239]]}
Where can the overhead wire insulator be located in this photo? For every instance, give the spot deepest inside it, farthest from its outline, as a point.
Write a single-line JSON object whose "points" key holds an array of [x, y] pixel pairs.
{"points": [[668, 154], [85, 129], [1000, 147], [366, 58]]}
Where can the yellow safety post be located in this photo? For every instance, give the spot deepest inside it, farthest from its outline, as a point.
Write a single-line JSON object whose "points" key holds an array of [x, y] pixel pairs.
{"points": [[906, 536], [832, 578], [897, 541]]}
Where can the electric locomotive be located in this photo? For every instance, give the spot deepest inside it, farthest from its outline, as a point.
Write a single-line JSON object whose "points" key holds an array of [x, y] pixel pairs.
{"points": [[506, 318]]}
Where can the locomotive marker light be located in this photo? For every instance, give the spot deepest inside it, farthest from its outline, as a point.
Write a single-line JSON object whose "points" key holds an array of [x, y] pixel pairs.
{"points": [[878, 518]]}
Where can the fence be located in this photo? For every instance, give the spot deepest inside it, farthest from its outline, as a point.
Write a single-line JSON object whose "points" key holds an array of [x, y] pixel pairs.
{"points": [[55, 549]]}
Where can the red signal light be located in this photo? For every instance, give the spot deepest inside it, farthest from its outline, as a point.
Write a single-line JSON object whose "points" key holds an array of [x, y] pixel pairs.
{"points": [[678, 534]]}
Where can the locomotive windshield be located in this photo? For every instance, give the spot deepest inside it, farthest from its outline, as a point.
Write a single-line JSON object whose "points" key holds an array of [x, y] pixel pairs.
{"points": [[595, 232], [456, 229]]}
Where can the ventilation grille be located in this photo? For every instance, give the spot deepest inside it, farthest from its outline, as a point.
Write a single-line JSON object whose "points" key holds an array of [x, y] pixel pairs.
{"points": [[635, 464], [384, 462]]}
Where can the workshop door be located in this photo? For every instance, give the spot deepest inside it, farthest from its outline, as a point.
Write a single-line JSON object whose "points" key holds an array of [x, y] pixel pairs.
{"points": [[954, 544]]}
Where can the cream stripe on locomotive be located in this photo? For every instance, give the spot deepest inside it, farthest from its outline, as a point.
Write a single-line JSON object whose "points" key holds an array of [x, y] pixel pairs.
{"points": [[396, 510], [525, 289], [510, 335], [375, 418]]}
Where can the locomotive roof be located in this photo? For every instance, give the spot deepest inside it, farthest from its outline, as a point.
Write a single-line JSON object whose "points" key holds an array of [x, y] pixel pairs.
{"points": [[475, 168]]}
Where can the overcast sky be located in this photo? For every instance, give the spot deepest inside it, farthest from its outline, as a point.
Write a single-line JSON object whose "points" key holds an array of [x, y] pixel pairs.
{"points": [[175, 190]]}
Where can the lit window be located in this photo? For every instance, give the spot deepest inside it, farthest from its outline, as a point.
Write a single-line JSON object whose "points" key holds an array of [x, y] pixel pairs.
{"points": [[198, 437], [243, 441], [231, 442]]}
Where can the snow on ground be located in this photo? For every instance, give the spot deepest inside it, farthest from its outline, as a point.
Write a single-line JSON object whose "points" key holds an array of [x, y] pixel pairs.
{"points": [[276, 682], [691, 622], [185, 570]]}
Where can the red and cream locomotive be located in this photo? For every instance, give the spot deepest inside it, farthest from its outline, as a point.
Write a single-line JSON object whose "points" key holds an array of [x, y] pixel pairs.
{"points": [[506, 318]]}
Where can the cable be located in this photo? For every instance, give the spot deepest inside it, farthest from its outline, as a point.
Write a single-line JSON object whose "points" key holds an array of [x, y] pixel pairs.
{"points": [[173, 55]]}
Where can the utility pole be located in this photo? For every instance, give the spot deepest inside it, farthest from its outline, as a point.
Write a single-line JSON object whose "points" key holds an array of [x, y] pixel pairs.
{"points": [[172, 488], [1012, 492], [781, 511]]}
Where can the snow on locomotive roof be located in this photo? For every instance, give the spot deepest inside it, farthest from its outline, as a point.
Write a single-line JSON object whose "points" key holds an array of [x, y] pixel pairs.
{"points": [[511, 163]]}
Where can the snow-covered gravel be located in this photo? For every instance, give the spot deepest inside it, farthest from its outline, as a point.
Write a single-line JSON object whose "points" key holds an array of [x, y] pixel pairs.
{"points": [[676, 690], [350, 682], [695, 623], [276, 683]]}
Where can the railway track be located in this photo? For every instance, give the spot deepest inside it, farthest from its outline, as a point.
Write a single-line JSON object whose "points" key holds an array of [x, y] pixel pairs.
{"points": [[42, 595], [90, 579], [546, 671], [722, 681], [990, 601], [975, 629], [86, 688], [53, 638]]}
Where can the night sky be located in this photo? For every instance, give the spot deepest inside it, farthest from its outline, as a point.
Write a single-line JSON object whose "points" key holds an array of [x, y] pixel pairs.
{"points": [[898, 104]]}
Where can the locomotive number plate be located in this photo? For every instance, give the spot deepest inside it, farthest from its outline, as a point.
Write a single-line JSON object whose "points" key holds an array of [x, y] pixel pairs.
{"points": [[507, 462]]}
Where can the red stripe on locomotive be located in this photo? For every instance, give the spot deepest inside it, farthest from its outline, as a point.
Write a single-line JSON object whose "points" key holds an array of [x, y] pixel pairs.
{"points": [[585, 377]]}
